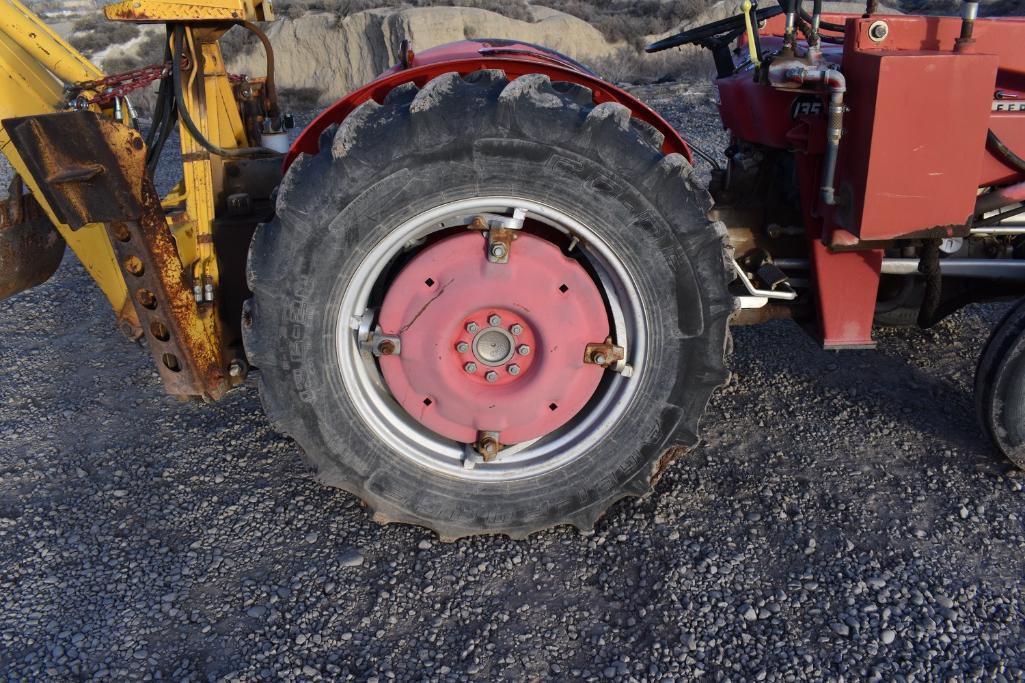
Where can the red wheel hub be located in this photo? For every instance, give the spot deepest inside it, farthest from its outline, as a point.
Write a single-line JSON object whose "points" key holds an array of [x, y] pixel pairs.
{"points": [[495, 347]]}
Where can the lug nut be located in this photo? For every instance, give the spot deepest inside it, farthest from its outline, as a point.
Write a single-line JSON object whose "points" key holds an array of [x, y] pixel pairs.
{"points": [[494, 320], [516, 329], [524, 350], [462, 347], [514, 369], [492, 376], [472, 327], [470, 368]]}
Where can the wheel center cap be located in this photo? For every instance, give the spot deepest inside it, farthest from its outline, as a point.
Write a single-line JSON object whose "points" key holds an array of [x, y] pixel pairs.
{"points": [[493, 346]]}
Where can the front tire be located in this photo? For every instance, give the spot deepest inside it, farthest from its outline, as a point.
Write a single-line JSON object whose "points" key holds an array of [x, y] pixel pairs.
{"points": [[1000, 386], [400, 178]]}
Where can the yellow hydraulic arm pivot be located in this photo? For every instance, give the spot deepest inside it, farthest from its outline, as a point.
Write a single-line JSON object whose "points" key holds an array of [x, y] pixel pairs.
{"points": [[81, 158]]}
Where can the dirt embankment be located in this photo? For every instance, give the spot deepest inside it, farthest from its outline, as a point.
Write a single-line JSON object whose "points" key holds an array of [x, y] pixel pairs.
{"points": [[329, 56]]}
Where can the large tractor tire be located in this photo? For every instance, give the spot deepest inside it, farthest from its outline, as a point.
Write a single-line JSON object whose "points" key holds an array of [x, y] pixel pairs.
{"points": [[444, 381], [1000, 386]]}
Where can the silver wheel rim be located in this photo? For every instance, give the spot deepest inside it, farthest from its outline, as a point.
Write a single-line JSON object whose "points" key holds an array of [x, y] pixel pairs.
{"points": [[365, 386]]}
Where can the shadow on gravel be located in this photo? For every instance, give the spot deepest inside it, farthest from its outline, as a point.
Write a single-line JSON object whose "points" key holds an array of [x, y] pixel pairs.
{"points": [[843, 518]]}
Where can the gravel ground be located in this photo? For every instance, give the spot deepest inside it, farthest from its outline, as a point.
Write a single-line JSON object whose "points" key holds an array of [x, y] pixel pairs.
{"points": [[844, 518]]}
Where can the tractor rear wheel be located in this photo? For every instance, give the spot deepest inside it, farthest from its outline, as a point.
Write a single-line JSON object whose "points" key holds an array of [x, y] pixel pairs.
{"points": [[440, 304], [1000, 386]]}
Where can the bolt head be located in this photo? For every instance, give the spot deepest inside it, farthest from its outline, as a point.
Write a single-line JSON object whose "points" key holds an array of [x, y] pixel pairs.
{"points": [[498, 250], [516, 329], [494, 320], [470, 368], [523, 350], [599, 359], [472, 327], [386, 347], [235, 369], [492, 376], [462, 347], [514, 369]]}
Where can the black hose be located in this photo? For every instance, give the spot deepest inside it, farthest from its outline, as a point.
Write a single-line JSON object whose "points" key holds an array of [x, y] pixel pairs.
{"points": [[929, 266], [1004, 152], [186, 117], [823, 25], [705, 155], [166, 128], [163, 121], [815, 13], [270, 90], [158, 108]]}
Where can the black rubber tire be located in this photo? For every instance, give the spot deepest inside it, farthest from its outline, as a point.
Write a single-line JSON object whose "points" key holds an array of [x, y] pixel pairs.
{"points": [[1000, 386], [458, 138], [901, 310]]}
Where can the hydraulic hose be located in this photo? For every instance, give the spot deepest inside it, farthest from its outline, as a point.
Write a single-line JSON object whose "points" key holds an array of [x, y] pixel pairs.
{"points": [[816, 21], [270, 90], [969, 13], [929, 266], [186, 117], [837, 84], [1004, 152], [823, 25]]}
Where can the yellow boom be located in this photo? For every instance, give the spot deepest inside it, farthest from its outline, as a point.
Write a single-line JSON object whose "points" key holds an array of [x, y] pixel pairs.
{"points": [[79, 154]]}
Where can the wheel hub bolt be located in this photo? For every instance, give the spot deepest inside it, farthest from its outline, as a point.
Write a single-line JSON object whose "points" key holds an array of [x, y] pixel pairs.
{"points": [[492, 376], [516, 329], [495, 320], [514, 369], [462, 347], [472, 327], [524, 350], [470, 368]]}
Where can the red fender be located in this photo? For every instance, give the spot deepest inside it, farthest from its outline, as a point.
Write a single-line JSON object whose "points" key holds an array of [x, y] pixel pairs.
{"points": [[465, 57]]}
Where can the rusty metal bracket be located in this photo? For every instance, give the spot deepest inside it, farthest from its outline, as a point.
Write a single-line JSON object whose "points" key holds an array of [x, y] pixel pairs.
{"points": [[605, 354], [500, 231], [81, 165], [500, 244], [63, 151], [488, 445]]}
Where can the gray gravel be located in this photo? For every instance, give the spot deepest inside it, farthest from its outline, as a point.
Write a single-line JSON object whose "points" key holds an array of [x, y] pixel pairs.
{"points": [[844, 518]]}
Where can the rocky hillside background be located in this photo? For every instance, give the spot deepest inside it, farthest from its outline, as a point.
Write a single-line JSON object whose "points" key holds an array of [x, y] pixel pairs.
{"points": [[326, 48]]}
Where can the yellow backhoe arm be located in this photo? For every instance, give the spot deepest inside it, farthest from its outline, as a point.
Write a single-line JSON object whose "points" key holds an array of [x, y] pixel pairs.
{"points": [[85, 164], [35, 66]]}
